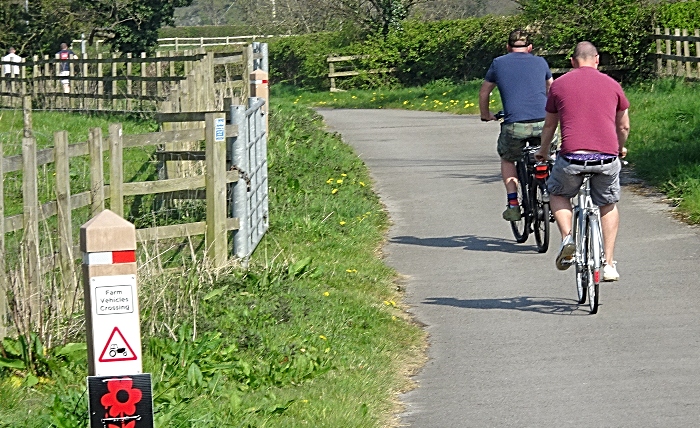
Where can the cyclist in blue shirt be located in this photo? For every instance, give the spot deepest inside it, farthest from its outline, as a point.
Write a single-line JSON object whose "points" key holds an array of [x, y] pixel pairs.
{"points": [[523, 81]]}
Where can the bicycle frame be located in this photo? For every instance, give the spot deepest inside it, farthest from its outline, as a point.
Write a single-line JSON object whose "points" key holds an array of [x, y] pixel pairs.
{"points": [[588, 236]]}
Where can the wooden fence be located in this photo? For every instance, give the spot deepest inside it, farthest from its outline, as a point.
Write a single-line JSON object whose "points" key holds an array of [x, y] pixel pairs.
{"points": [[677, 54], [38, 247], [129, 83], [41, 274], [347, 66]]}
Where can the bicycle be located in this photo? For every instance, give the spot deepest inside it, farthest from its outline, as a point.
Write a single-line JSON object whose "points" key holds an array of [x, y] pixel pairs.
{"points": [[588, 237], [533, 197]]}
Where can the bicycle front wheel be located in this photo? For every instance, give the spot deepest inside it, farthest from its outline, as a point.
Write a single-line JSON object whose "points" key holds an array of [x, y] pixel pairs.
{"points": [[594, 263], [541, 218], [521, 228], [581, 258]]}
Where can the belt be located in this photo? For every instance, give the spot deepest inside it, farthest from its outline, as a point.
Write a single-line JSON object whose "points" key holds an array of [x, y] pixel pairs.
{"points": [[589, 162]]}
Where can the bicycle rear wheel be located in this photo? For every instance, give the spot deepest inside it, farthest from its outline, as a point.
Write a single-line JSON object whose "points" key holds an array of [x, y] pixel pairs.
{"points": [[541, 217], [521, 228]]}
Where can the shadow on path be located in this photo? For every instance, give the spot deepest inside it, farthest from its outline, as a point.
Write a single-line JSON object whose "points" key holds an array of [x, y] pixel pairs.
{"points": [[468, 242], [549, 306]]}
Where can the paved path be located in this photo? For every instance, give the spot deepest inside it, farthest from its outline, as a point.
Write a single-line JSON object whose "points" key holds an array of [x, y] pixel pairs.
{"points": [[509, 346]]}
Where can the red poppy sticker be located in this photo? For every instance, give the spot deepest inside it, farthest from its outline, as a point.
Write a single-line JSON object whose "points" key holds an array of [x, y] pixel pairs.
{"points": [[121, 401]]}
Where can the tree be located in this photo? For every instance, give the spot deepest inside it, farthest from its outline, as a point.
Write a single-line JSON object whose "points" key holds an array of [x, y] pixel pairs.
{"points": [[130, 25], [40, 26]]}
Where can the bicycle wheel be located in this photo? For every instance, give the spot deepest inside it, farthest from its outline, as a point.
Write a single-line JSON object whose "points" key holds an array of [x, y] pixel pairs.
{"points": [[581, 257], [521, 228], [594, 264], [541, 217]]}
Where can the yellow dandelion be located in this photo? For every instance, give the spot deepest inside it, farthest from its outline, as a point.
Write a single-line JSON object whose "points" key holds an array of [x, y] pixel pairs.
{"points": [[342, 223], [329, 181], [343, 175], [325, 293], [405, 102], [362, 184], [334, 191], [354, 97], [322, 337]]}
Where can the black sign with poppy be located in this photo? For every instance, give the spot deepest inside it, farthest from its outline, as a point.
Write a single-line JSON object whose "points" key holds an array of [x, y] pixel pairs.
{"points": [[121, 401]]}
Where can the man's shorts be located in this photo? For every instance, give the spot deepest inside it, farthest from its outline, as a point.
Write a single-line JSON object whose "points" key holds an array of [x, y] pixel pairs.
{"points": [[64, 74], [510, 141], [566, 178]]}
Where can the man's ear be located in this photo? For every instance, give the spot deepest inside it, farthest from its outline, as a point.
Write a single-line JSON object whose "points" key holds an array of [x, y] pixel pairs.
{"points": [[529, 48]]}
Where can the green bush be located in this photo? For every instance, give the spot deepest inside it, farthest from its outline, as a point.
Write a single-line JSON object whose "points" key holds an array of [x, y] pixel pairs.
{"points": [[679, 15], [620, 29], [301, 60]]}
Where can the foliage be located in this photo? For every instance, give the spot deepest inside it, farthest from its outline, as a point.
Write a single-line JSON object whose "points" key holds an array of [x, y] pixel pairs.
{"points": [[128, 26], [620, 29], [685, 14], [301, 60], [420, 52], [217, 31], [663, 144]]}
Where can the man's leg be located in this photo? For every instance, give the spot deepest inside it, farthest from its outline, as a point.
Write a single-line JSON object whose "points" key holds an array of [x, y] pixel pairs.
{"points": [[563, 213], [510, 176]]}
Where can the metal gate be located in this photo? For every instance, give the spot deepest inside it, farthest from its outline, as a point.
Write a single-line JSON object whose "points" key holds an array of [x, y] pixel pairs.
{"points": [[250, 193]]}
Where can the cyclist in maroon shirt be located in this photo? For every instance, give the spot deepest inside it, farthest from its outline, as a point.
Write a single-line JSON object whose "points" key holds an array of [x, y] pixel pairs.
{"points": [[592, 110]]}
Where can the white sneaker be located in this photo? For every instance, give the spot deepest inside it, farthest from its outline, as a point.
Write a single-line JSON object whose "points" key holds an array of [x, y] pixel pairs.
{"points": [[610, 272], [566, 253]]}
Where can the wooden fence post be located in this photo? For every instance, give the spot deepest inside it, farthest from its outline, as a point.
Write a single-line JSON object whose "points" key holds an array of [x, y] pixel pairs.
{"points": [[30, 197], [116, 169], [100, 83], [27, 116], [697, 51], [64, 215], [215, 178], [97, 191], [679, 52], [3, 274], [115, 82]]}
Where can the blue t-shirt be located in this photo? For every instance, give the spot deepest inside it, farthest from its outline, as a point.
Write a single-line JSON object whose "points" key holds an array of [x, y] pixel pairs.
{"points": [[521, 79]]}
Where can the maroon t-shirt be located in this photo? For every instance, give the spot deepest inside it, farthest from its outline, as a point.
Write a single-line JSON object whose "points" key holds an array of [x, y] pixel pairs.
{"points": [[587, 102]]}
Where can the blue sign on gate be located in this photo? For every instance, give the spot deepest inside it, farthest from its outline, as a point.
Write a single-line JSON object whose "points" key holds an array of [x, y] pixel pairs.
{"points": [[219, 130]]}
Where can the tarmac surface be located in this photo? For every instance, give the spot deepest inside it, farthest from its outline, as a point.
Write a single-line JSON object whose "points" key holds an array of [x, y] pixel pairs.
{"points": [[508, 344]]}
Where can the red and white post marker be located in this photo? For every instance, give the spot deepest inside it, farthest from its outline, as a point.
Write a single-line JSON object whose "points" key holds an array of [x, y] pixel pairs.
{"points": [[120, 394]]}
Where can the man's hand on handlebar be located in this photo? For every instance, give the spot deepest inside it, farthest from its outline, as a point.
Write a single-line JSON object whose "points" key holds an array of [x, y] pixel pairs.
{"points": [[542, 155], [623, 152], [491, 116]]}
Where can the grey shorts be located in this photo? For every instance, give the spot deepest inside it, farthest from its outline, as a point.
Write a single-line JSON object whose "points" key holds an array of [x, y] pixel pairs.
{"points": [[566, 178], [511, 139]]}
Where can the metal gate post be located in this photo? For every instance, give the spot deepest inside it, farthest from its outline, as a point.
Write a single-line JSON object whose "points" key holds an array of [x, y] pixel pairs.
{"points": [[239, 207]]}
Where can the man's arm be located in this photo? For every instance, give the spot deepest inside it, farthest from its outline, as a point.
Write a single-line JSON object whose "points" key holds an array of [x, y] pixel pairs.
{"points": [[622, 125], [551, 120], [484, 94], [548, 84]]}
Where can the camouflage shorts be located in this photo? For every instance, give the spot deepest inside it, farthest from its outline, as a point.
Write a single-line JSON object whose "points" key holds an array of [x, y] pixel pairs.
{"points": [[511, 139]]}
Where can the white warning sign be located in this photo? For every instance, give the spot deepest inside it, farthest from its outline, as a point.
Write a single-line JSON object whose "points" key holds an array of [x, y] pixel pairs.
{"points": [[117, 348]]}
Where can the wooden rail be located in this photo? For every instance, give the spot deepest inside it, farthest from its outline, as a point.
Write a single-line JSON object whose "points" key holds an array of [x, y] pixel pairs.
{"points": [[333, 73]]}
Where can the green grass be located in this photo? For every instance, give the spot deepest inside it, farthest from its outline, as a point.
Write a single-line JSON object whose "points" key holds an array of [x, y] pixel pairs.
{"points": [[664, 143], [441, 96]]}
